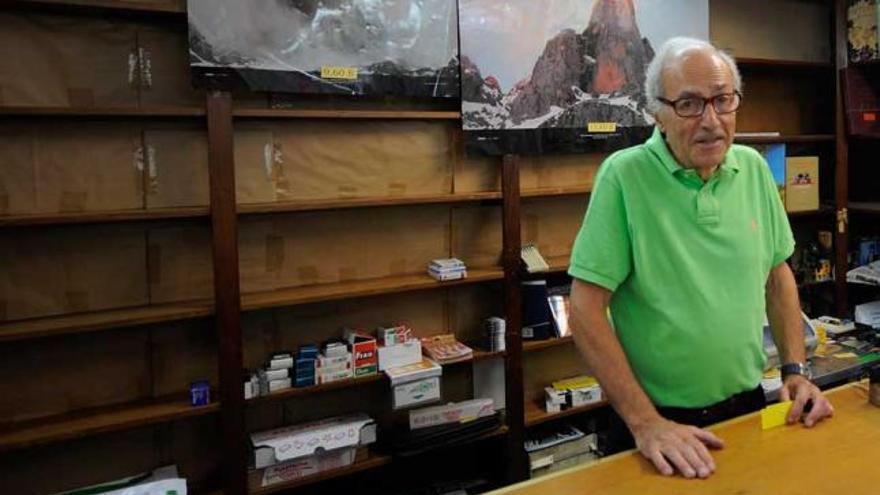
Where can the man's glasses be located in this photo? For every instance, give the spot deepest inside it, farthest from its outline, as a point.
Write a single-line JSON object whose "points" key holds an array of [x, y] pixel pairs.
{"points": [[694, 106]]}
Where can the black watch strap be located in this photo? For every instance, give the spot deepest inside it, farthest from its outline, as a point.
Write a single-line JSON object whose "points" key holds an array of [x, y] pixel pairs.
{"points": [[794, 369]]}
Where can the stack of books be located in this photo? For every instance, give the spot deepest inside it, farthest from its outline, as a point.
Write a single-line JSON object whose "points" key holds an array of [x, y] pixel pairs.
{"points": [[444, 269]]}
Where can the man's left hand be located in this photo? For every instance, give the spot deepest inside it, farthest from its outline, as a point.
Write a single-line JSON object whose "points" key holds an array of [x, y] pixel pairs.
{"points": [[800, 390]]}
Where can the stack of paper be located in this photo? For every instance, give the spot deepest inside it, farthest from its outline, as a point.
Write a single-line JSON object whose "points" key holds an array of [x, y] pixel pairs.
{"points": [[447, 269]]}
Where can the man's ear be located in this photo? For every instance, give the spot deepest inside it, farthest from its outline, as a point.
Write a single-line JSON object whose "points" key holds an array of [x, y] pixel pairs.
{"points": [[659, 124]]}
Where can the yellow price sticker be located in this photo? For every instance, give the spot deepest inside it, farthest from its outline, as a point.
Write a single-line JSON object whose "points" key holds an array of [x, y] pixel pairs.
{"points": [[331, 72], [602, 127]]}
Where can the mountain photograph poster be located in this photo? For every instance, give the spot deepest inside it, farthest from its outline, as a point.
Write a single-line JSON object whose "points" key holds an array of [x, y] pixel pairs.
{"points": [[563, 76], [352, 47]]}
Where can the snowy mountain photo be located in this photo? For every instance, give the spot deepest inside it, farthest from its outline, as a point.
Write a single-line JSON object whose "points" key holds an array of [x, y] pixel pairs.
{"points": [[557, 66], [381, 47]]}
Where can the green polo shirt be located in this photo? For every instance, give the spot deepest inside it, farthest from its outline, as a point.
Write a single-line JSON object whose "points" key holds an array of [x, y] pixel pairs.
{"points": [[687, 261]]}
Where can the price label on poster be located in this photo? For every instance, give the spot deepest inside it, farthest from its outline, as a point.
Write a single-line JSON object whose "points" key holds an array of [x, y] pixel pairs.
{"points": [[602, 127], [331, 72]]}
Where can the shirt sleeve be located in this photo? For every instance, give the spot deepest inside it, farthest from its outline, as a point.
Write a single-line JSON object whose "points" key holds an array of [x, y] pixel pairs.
{"points": [[602, 249], [781, 237]]}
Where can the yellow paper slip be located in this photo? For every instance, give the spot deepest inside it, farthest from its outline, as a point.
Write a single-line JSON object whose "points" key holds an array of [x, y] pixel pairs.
{"points": [[773, 416], [845, 355], [576, 382]]}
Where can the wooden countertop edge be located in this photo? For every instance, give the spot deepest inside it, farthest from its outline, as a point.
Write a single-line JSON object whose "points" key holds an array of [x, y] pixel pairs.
{"points": [[625, 453]]}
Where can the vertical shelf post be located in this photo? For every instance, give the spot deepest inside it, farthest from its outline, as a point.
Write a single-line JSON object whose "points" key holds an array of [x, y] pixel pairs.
{"points": [[841, 165], [224, 225], [517, 467]]}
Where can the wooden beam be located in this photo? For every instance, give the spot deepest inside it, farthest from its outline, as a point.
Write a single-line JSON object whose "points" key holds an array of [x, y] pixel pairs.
{"points": [[517, 467], [226, 290], [841, 165]]}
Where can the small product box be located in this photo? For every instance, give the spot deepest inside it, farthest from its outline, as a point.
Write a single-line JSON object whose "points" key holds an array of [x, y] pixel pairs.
{"points": [[335, 348], [585, 396], [292, 442], [336, 362], [364, 353], [334, 376], [280, 384], [554, 399], [277, 374], [280, 360], [395, 356], [801, 183], [200, 393], [411, 372], [389, 336], [456, 412], [416, 392]]}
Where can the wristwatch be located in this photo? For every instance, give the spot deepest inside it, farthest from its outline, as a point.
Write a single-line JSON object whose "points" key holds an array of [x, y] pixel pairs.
{"points": [[795, 369]]}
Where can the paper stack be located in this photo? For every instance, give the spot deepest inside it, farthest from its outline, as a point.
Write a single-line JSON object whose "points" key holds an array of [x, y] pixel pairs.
{"points": [[444, 269]]}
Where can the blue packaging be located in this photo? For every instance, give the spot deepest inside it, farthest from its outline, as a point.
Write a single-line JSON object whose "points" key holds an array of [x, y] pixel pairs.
{"points": [[200, 393]]}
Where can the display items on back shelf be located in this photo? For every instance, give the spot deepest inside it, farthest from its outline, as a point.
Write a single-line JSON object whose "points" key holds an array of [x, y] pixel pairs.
{"points": [[572, 392], [862, 37], [558, 447], [447, 269], [161, 481], [296, 451]]}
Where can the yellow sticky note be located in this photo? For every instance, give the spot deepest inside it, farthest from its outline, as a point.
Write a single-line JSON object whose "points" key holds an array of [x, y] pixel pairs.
{"points": [[602, 127], [773, 416], [845, 355], [332, 72]]}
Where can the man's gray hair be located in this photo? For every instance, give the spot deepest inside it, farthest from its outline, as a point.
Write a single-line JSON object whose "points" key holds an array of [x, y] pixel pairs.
{"points": [[665, 56]]}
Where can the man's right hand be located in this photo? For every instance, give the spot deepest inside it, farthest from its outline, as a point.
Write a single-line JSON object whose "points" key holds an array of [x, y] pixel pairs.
{"points": [[672, 445]]}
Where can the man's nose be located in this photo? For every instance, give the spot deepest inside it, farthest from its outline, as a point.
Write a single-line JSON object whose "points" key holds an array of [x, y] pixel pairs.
{"points": [[710, 116]]}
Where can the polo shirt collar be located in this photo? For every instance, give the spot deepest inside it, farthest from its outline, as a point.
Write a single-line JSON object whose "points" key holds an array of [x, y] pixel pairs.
{"points": [[657, 145]]}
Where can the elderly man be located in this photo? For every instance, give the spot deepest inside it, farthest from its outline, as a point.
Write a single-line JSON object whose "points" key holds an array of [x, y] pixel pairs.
{"points": [[686, 239]]}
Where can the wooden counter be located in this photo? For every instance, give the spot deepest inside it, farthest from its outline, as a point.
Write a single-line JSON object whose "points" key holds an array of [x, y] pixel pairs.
{"points": [[841, 455]]}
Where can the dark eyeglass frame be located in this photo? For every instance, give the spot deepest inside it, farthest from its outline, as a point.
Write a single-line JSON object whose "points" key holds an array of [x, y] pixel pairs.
{"points": [[712, 99]]}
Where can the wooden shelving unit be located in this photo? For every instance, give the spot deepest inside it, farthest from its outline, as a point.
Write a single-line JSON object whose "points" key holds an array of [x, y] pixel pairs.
{"points": [[359, 288], [336, 204], [102, 320], [173, 7], [345, 114], [782, 64], [92, 422], [381, 201], [824, 210], [536, 345], [803, 138], [865, 208], [220, 115], [535, 413], [556, 191], [103, 112], [103, 216], [316, 389], [371, 462]]}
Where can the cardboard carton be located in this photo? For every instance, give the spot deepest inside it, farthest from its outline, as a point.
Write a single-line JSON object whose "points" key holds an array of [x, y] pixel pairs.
{"points": [[292, 442]]}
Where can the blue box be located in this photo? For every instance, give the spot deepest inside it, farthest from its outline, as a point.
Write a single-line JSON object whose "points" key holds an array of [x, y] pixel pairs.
{"points": [[308, 351], [200, 393]]}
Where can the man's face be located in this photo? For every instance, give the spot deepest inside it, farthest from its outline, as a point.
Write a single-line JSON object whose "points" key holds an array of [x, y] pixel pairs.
{"points": [[697, 142]]}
